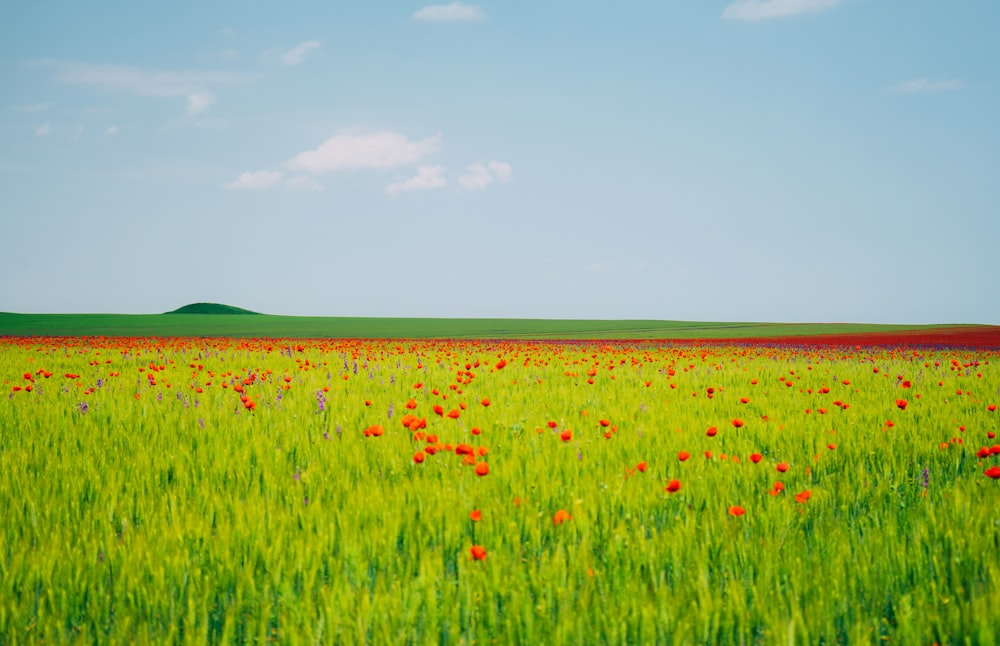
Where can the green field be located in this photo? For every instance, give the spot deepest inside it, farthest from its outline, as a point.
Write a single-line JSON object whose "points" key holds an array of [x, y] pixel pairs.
{"points": [[189, 491], [261, 325]]}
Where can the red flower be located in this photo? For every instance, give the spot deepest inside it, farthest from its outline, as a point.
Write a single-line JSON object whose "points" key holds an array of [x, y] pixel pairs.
{"points": [[712, 431], [561, 517], [641, 467], [736, 510], [419, 457], [485, 402], [991, 408], [802, 497], [482, 468], [683, 455], [901, 404], [993, 472], [756, 457], [475, 515], [478, 553], [738, 423], [566, 435], [673, 486], [782, 467]]}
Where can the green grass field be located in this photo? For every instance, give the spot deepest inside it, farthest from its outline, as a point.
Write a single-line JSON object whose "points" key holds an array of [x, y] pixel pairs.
{"points": [[261, 326], [188, 491]]}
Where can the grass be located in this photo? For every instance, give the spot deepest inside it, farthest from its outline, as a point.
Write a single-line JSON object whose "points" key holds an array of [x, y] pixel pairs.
{"points": [[242, 325], [144, 501]]}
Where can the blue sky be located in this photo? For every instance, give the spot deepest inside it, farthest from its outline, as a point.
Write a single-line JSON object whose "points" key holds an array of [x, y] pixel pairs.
{"points": [[756, 160]]}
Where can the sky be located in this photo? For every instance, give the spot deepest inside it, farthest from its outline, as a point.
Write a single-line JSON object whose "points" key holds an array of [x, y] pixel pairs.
{"points": [[709, 160]]}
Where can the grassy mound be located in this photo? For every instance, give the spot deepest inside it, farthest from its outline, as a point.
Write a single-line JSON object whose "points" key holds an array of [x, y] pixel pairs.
{"points": [[210, 308]]}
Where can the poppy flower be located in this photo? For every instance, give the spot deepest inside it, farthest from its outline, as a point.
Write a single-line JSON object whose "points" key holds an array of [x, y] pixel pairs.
{"points": [[485, 402], [803, 496], [566, 435], [482, 468], [604, 422], [475, 515], [782, 467], [476, 430], [738, 423], [464, 449], [756, 457], [736, 510], [983, 453], [993, 472], [561, 517], [439, 409], [454, 413], [673, 486], [901, 404], [683, 456], [641, 467], [419, 457], [478, 553], [712, 431], [411, 404], [992, 408]]}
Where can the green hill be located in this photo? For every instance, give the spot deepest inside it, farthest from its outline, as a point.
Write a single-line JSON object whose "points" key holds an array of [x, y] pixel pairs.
{"points": [[210, 308]]}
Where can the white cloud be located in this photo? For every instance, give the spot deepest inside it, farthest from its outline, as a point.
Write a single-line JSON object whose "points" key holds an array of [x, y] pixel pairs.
{"points": [[112, 130], [44, 129], [159, 83], [36, 107], [479, 176], [917, 86], [454, 12], [500, 170], [754, 10], [302, 183], [230, 54], [256, 180], [199, 102], [380, 150], [426, 177], [297, 54]]}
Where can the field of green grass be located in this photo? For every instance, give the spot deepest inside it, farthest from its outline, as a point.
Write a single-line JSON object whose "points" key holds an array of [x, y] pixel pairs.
{"points": [[260, 326], [185, 491]]}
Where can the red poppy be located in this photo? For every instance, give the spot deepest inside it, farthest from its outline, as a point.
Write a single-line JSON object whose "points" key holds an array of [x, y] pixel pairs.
{"points": [[464, 449], [476, 430], [419, 457], [561, 517], [756, 457], [478, 553], [485, 402], [604, 422], [901, 404], [993, 472], [566, 435], [454, 413], [641, 467], [683, 456], [782, 467], [736, 510], [803, 496], [712, 431], [439, 409], [673, 486], [992, 408], [738, 423], [475, 515], [482, 468]]}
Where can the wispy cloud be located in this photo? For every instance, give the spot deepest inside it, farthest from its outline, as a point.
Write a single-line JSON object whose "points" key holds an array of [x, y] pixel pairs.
{"points": [[124, 78], [294, 56], [478, 177], [199, 102], [270, 179], [111, 131], [454, 12], [349, 151], [755, 10], [924, 86], [256, 180], [44, 129], [35, 107], [427, 177]]}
